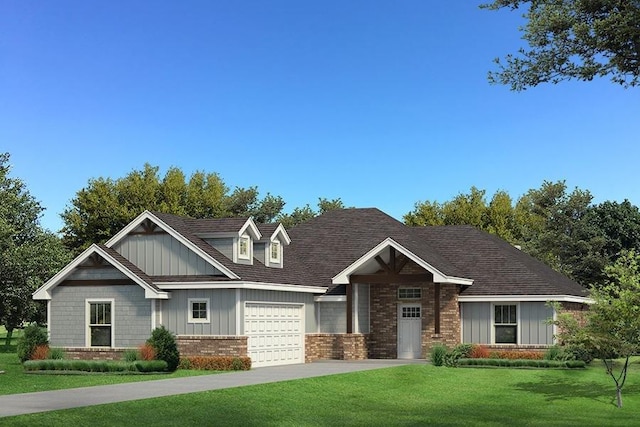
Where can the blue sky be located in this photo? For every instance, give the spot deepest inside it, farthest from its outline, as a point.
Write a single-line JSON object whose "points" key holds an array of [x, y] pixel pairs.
{"points": [[379, 103]]}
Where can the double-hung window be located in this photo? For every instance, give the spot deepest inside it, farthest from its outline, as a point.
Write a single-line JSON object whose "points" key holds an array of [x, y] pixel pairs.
{"points": [[100, 323], [274, 253], [505, 323], [243, 248]]}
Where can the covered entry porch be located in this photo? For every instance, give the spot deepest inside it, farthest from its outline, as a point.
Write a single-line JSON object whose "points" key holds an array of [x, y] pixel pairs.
{"points": [[395, 306]]}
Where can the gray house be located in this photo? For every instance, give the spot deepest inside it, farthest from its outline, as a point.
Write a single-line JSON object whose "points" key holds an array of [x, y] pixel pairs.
{"points": [[349, 284]]}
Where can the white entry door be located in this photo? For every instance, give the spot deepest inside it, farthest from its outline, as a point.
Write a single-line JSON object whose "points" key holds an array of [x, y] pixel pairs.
{"points": [[275, 333], [409, 331]]}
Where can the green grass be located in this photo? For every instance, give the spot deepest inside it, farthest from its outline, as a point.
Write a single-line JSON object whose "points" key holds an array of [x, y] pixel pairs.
{"points": [[410, 395]]}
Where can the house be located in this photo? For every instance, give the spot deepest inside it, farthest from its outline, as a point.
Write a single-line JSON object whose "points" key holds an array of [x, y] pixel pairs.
{"points": [[349, 284]]}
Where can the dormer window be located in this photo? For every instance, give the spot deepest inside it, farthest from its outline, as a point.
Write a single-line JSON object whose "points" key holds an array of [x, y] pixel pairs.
{"points": [[274, 253], [244, 248]]}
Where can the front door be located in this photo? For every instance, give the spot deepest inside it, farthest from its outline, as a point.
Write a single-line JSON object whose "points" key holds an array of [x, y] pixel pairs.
{"points": [[409, 331]]}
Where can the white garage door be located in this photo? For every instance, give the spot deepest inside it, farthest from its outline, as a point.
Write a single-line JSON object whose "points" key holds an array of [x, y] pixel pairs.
{"points": [[275, 333]]}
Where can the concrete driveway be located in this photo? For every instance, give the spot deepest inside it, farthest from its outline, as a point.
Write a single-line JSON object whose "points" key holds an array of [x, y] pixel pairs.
{"points": [[28, 403]]}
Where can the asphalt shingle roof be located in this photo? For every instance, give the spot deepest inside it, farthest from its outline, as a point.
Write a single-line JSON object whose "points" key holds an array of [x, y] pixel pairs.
{"points": [[324, 246]]}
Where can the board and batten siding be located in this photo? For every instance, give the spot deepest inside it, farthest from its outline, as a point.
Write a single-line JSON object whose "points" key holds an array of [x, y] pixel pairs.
{"points": [[333, 315], [163, 255], [259, 295], [132, 315], [477, 322], [224, 245], [222, 312]]}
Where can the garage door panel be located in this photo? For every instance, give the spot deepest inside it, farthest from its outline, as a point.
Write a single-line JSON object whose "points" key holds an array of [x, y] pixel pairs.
{"points": [[275, 333]]}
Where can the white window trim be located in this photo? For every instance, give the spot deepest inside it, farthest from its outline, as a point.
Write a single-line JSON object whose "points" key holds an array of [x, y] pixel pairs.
{"points": [[493, 322], [410, 298], [87, 338], [248, 254], [190, 310], [278, 257]]}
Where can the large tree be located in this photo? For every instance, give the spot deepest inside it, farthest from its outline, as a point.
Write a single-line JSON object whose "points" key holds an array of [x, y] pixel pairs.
{"points": [[106, 205], [573, 39], [611, 328], [29, 255]]}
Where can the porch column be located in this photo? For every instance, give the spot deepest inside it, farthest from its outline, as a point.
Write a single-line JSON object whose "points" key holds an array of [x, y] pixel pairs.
{"points": [[436, 308], [350, 307]]}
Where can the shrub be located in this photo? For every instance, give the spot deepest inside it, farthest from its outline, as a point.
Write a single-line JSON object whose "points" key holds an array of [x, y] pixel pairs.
{"points": [[150, 365], [522, 363], [458, 352], [130, 355], [513, 354], [40, 352], [32, 337], [95, 365], [216, 363], [56, 353], [164, 344], [147, 352], [580, 353], [479, 352], [437, 354]]}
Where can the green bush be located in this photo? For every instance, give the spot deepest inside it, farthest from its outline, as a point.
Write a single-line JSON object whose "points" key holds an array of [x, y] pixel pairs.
{"points": [[580, 353], [458, 352], [522, 363], [32, 337], [131, 355], [437, 354], [164, 343], [95, 365], [56, 353]]}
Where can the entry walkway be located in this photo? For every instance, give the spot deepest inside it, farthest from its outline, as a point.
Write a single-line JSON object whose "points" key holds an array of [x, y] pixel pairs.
{"points": [[28, 403]]}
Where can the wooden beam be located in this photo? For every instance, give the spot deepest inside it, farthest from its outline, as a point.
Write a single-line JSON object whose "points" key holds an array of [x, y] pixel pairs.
{"points": [[390, 278], [392, 259], [403, 262], [350, 308], [436, 308], [383, 264]]}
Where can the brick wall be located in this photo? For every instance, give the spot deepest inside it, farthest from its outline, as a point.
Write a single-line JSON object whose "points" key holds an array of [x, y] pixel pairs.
{"points": [[94, 354], [384, 316], [203, 345], [336, 347]]}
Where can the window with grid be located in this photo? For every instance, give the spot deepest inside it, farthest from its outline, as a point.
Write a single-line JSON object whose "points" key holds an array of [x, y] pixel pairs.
{"points": [[100, 324], [410, 312], [199, 310], [243, 248], [506, 324], [275, 252], [409, 293]]}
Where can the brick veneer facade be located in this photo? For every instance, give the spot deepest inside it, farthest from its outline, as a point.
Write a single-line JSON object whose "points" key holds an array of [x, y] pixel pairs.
{"points": [[336, 346], [94, 353], [203, 345]]}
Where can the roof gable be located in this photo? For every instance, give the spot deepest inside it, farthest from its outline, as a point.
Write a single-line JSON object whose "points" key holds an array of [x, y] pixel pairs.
{"points": [[115, 260]]}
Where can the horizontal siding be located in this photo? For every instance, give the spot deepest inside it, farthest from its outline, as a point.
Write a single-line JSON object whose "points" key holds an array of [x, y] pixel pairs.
{"points": [[222, 312], [257, 295], [106, 273], [132, 324], [163, 255]]}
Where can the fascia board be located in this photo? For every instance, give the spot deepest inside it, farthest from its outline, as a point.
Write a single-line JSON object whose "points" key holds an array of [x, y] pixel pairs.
{"points": [[438, 276], [284, 236], [148, 215], [251, 227], [525, 298], [241, 285]]}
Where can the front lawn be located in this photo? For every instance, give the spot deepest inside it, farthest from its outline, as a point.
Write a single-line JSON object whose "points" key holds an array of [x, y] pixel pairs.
{"points": [[409, 395]]}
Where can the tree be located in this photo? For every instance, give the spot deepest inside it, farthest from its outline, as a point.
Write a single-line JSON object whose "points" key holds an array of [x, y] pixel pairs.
{"points": [[573, 39], [496, 217], [611, 331], [105, 206], [305, 213], [28, 254]]}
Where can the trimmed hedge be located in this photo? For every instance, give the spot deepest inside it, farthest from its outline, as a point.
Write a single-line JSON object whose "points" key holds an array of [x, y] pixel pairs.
{"points": [[216, 363], [523, 363], [95, 365]]}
